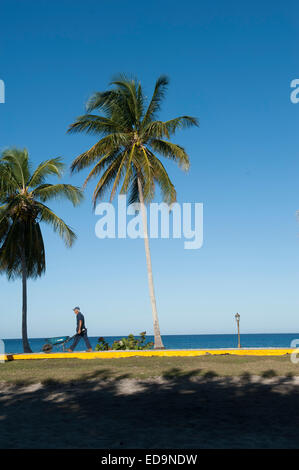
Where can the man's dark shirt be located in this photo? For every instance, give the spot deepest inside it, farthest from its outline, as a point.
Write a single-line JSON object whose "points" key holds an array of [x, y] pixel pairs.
{"points": [[80, 316]]}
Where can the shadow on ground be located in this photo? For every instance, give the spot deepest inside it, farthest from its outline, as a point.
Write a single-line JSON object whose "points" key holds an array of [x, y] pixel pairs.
{"points": [[177, 411]]}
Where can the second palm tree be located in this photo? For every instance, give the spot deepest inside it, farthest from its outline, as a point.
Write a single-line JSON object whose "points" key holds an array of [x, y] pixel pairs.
{"points": [[23, 194]]}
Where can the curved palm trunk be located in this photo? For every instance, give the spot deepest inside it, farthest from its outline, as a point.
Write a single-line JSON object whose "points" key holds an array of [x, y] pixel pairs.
{"points": [[26, 345], [158, 340]]}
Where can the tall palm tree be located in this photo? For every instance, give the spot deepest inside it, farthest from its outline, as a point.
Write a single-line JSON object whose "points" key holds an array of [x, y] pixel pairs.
{"points": [[22, 197], [125, 156]]}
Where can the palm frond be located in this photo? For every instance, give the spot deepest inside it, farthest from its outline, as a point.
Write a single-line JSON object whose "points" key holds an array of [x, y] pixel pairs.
{"points": [[148, 183], [160, 129], [126, 181], [53, 166], [106, 180], [17, 160], [173, 151], [8, 182], [102, 164], [155, 130], [114, 104], [119, 175], [10, 255], [133, 191], [107, 145], [46, 192], [58, 225], [93, 124], [4, 223], [29, 236], [130, 89], [182, 122], [161, 177], [102, 101], [155, 103]]}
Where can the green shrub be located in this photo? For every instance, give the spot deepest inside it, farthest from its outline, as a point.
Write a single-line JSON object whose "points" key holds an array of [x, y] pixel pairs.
{"points": [[102, 345], [125, 344]]}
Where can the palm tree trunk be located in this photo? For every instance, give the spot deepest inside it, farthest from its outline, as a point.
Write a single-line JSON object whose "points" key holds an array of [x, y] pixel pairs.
{"points": [[26, 345], [158, 340]]}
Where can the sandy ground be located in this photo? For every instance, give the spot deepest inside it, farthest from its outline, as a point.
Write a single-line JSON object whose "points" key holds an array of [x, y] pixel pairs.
{"points": [[189, 412]]}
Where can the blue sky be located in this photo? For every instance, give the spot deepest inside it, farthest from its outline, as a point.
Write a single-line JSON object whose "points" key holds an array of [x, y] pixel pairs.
{"points": [[230, 64]]}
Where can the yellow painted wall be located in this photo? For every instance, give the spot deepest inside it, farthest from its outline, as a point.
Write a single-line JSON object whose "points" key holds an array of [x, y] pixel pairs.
{"points": [[149, 353]]}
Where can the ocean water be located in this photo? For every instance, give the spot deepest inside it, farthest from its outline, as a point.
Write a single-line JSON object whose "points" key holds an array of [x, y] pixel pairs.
{"points": [[261, 340]]}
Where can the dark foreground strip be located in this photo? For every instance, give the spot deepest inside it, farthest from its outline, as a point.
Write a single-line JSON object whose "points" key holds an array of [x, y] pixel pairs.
{"points": [[138, 458]]}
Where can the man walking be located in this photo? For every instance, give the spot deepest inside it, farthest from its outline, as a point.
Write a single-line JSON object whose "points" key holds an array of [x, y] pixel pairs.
{"points": [[81, 331]]}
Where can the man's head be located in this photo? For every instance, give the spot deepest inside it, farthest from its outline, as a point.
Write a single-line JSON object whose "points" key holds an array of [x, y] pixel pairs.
{"points": [[76, 310]]}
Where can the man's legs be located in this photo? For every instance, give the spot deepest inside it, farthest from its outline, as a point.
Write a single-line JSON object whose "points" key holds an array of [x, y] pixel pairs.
{"points": [[85, 337], [75, 342]]}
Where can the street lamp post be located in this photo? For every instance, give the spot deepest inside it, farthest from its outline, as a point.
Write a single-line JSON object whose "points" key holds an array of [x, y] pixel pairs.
{"points": [[237, 317]]}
